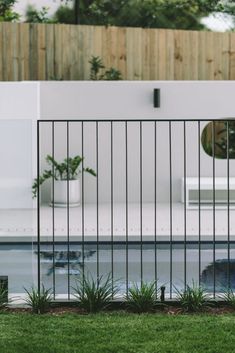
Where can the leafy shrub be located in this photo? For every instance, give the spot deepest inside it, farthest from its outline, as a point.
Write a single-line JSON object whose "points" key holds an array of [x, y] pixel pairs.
{"points": [[39, 301], [37, 16], [142, 298], [99, 72], [112, 75], [95, 295], [193, 299], [7, 13]]}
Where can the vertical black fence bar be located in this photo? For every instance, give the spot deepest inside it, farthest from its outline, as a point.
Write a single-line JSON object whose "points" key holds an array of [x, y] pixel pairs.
{"points": [[97, 200], [127, 232], [185, 211], [228, 206], [141, 206], [213, 177], [38, 209], [199, 202], [53, 205], [171, 208], [83, 211], [111, 196], [155, 204], [68, 220]]}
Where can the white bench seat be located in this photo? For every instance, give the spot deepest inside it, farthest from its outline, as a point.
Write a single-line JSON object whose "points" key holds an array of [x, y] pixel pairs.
{"points": [[212, 191]]}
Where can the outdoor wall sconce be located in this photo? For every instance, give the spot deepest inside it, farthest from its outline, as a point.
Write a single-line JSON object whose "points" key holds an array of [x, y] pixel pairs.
{"points": [[156, 97]]}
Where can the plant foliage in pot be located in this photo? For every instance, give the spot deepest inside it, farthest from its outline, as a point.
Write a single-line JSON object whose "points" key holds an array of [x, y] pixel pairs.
{"points": [[66, 178]]}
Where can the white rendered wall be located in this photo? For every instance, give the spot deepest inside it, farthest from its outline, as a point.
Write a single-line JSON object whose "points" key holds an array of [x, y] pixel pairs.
{"points": [[19, 111], [26, 102], [134, 100]]}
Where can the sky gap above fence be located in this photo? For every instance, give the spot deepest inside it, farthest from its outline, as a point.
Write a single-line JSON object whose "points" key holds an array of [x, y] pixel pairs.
{"points": [[62, 52]]}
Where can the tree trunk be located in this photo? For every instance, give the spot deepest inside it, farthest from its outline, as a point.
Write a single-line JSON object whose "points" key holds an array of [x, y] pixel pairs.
{"points": [[76, 10]]}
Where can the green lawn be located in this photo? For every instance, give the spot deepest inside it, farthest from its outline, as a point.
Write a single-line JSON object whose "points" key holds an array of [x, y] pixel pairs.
{"points": [[116, 333]]}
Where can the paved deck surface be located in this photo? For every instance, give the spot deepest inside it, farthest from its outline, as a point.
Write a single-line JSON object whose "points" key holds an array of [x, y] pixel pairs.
{"points": [[21, 224]]}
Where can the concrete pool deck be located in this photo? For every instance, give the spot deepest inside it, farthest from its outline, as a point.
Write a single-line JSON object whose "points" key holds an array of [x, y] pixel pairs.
{"points": [[20, 225]]}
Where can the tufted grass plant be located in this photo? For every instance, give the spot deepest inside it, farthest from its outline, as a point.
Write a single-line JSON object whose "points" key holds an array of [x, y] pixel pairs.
{"points": [[229, 298], [4, 301], [39, 301], [94, 295], [142, 298], [193, 299]]}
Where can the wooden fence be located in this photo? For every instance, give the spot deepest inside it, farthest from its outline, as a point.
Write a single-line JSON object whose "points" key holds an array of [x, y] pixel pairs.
{"points": [[46, 52]]}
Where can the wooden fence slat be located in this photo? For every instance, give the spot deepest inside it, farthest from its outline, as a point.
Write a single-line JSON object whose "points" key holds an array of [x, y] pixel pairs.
{"points": [[178, 55], [88, 49], [146, 54], [190, 51], [51, 45], [210, 57], [1, 52], [74, 52], [33, 52], [121, 51], [202, 57], [130, 53], [41, 53], [169, 55], [225, 55], [66, 62], [24, 51], [154, 49], [232, 56]]}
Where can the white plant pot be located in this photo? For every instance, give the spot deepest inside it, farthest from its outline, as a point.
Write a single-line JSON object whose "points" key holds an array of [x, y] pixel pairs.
{"points": [[62, 196]]}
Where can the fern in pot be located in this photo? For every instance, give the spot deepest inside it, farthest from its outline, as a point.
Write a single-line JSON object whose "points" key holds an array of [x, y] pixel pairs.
{"points": [[66, 178]]}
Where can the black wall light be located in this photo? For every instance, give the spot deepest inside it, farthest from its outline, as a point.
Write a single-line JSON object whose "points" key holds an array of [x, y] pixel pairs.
{"points": [[156, 97]]}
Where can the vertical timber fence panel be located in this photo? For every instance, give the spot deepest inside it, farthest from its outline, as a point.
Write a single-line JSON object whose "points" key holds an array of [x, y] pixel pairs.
{"points": [[62, 52]]}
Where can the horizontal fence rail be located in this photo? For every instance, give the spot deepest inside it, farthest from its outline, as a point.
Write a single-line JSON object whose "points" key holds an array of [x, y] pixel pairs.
{"points": [[158, 210], [62, 52]]}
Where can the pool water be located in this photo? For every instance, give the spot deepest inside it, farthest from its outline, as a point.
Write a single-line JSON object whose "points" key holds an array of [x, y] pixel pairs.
{"points": [[19, 263]]}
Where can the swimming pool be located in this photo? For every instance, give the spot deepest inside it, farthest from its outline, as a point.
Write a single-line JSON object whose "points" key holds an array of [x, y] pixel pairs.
{"points": [[19, 263]]}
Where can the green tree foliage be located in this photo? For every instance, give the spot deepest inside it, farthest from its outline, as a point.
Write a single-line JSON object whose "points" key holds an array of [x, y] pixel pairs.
{"points": [[180, 14], [6, 11], [37, 16], [65, 14]]}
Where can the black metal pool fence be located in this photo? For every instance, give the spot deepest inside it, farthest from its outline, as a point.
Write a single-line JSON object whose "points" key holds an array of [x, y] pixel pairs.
{"points": [[219, 269]]}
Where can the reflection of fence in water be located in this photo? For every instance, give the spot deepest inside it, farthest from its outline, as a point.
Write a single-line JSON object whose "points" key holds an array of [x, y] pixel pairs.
{"points": [[60, 264], [59, 260]]}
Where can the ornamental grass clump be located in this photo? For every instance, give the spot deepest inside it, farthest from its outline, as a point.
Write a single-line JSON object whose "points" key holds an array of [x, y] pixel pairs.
{"points": [[94, 295], [143, 298], [229, 298], [193, 299], [3, 297], [39, 301]]}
